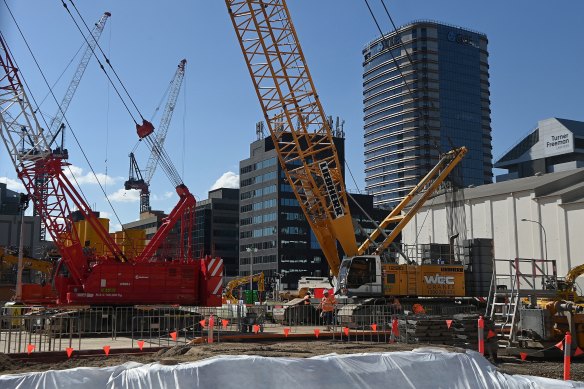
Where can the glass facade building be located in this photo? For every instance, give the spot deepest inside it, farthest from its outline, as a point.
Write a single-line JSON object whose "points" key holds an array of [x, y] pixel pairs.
{"points": [[216, 228], [437, 99], [272, 221]]}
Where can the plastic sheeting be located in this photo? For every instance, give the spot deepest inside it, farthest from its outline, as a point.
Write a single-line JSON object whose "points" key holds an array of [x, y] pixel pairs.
{"points": [[421, 368]]}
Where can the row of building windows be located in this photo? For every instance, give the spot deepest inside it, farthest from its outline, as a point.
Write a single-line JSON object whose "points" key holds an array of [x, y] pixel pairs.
{"points": [[259, 259], [298, 244], [258, 192], [293, 230], [289, 202], [258, 165], [258, 179], [270, 244], [293, 216], [257, 219], [259, 205]]}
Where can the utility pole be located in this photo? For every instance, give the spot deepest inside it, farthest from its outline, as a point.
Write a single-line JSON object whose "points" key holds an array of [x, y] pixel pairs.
{"points": [[22, 207]]}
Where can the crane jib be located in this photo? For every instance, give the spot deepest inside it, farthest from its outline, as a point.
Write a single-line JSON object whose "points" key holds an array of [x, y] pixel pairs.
{"points": [[331, 189]]}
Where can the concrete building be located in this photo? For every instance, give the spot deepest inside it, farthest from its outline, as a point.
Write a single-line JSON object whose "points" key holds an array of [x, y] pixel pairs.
{"points": [[272, 222], [437, 99], [217, 227], [10, 224], [555, 145], [551, 204], [149, 222]]}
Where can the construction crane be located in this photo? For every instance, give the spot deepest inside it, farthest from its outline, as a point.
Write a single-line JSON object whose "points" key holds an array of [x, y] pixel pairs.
{"points": [[56, 126], [142, 182], [89, 273], [303, 141]]}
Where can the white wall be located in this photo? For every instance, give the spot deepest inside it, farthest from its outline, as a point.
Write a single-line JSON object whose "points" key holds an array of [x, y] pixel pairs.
{"points": [[499, 218]]}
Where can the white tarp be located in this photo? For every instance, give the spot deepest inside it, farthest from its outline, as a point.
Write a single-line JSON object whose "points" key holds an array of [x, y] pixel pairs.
{"points": [[421, 368]]}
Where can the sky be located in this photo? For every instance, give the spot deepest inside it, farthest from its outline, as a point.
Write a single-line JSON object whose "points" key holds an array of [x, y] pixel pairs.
{"points": [[535, 58]]}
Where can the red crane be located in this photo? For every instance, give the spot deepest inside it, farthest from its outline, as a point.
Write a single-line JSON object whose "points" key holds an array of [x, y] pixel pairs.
{"points": [[82, 275], [57, 126]]}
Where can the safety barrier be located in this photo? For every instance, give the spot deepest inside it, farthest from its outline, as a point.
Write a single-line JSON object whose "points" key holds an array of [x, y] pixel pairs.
{"points": [[87, 328]]}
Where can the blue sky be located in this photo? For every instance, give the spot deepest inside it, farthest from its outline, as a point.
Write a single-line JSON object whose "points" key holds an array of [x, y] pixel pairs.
{"points": [[536, 62]]}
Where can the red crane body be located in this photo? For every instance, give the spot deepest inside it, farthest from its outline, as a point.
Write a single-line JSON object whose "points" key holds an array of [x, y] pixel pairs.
{"points": [[83, 276]]}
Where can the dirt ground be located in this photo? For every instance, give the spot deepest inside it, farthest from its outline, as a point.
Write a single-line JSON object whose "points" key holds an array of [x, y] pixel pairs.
{"points": [[299, 349]]}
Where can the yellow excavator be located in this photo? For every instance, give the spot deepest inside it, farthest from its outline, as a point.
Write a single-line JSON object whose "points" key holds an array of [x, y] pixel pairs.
{"points": [[567, 287], [237, 282]]}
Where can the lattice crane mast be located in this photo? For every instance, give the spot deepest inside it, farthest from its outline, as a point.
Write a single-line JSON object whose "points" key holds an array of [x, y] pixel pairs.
{"points": [[140, 181], [56, 125], [84, 276], [296, 121], [32, 156]]}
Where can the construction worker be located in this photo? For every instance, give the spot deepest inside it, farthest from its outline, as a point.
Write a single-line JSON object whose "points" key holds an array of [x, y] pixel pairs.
{"points": [[418, 309], [327, 304]]}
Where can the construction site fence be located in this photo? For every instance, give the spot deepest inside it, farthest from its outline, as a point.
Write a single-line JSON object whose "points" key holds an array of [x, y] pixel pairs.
{"points": [[88, 328]]}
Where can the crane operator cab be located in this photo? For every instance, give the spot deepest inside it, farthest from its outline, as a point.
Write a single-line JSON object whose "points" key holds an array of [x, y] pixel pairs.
{"points": [[360, 276]]}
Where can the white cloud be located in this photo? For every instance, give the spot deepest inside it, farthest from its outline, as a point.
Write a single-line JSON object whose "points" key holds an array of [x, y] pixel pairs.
{"points": [[227, 180], [89, 178], [11, 184], [165, 196], [125, 196]]}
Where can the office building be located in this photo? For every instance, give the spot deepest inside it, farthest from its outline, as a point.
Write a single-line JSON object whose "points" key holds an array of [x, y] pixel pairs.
{"points": [[10, 225], [216, 228], [437, 99], [272, 227], [555, 145]]}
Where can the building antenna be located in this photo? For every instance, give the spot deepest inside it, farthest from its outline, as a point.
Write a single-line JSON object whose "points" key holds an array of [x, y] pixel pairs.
{"points": [[260, 130]]}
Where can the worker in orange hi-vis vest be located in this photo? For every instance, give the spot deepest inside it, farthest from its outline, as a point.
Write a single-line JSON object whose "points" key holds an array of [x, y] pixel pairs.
{"points": [[327, 304], [418, 309]]}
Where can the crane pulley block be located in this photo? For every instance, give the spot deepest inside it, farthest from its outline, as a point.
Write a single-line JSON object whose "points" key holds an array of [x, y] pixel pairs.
{"points": [[144, 129]]}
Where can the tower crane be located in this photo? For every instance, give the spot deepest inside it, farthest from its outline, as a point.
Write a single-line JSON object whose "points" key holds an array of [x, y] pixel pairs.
{"points": [[85, 275], [142, 182], [56, 125], [303, 141]]}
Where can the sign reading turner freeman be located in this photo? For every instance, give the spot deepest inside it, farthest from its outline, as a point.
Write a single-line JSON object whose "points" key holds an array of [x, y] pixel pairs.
{"points": [[558, 142]]}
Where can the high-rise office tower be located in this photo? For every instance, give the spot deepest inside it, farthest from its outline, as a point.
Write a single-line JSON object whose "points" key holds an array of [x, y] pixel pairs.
{"points": [[436, 98]]}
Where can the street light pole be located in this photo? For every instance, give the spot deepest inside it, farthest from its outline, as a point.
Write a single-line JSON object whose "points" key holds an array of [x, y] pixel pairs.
{"points": [[544, 239], [251, 251], [22, 207]]}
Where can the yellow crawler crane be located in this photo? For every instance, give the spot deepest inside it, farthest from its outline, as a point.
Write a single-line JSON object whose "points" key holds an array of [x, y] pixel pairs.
{"points": [[304, 143]]}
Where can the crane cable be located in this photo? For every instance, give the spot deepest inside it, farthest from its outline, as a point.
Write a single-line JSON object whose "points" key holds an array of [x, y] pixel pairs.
{"points": [[59, 78], [107, 60], [64, 117], [103, 67]]}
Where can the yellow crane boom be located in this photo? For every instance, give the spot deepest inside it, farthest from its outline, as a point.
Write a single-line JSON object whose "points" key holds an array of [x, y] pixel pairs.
{"points": [[296, 120], [301, 134]]}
